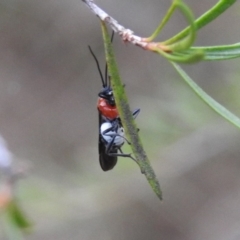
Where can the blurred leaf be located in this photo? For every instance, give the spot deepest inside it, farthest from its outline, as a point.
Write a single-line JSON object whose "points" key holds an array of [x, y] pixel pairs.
{"points": [[17, 216], [207, 99]]}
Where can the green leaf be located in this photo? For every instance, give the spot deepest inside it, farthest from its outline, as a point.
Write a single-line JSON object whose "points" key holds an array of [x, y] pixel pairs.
{"points": [[192, 57], [222, 52], [163, 22], [126, 115], [186, 42], [207, 17], [17, 216], [207, 99], [180, 44], [14, 221]]}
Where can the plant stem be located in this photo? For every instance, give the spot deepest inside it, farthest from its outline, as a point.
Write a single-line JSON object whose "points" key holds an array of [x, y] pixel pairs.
{"points": [[126, 115]]}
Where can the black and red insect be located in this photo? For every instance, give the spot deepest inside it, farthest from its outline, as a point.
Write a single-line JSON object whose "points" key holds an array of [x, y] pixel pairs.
{"points": [[111, 131]]}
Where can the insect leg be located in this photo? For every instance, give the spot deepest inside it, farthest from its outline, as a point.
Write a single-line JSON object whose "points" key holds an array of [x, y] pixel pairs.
{"points": [[135, 112], [110, 146]]}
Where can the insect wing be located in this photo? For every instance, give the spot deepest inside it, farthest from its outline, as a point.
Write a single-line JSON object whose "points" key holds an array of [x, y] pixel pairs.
{"points": [[106, 162]]}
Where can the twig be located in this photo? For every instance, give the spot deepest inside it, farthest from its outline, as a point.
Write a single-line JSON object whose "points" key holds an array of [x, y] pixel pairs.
{"points": [[127, 35]]}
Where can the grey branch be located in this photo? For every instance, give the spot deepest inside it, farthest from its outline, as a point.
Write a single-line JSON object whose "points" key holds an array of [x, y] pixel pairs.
{"points": [[126, 34]]}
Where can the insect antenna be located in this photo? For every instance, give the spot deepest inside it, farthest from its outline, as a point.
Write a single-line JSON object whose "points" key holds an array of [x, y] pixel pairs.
{"points": [[104, 83], [107, 80]]}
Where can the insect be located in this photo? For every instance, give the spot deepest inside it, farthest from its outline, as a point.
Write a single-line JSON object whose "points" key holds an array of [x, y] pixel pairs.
{"points": [[111, 139], [111, 131]]}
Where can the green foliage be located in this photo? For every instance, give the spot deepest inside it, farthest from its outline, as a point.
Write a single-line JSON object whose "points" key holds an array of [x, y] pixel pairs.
{"points": [[17, 216], [207, 99], [220, 7], [216, 53], [177, 49], [15, 221]]}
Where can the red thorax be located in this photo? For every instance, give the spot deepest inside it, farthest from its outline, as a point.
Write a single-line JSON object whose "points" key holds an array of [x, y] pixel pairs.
{"points": [[106, 109]]}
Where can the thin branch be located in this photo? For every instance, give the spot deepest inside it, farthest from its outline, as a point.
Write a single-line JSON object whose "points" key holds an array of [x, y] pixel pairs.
{"points": [[127, 35]]}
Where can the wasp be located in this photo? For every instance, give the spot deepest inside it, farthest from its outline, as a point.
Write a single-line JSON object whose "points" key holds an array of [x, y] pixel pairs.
{"points": [[111, 132]]}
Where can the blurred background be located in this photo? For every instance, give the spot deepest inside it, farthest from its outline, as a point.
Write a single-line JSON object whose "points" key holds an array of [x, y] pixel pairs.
{"points": [[48, 91]]}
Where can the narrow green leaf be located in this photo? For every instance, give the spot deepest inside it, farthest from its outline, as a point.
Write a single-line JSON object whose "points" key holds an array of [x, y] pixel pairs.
{"points": [[207, 17], [186, 42], [207, 99], [183, 57], [126, 115], [163, 22], [222, 52]]}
